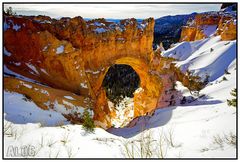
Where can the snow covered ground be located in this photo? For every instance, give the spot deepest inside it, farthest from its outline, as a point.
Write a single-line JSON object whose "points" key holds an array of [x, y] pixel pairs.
{"points": [[209, 56], [203, 128]]}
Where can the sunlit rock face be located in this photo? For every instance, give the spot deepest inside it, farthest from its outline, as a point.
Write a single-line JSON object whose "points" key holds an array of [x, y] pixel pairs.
{"points": [[202, 26], [74, 55], [210, 23], [188, 33], [229, 30]]}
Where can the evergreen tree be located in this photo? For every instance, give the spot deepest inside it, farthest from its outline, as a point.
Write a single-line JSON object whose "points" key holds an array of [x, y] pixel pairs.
{"points": [[9, 11], [88, 123], [233, 102]]}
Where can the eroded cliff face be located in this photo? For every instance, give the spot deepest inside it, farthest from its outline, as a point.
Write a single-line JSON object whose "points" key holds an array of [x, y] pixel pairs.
{"points": [[207, 24], [73, 55], [229, 30]]}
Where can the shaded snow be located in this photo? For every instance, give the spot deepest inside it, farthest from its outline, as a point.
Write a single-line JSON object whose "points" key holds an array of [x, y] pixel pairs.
{"points": [[44, 71], [16, 27], [44, 92], [209, 30], [46, 21], [100, 30], [6, 26], [5, 51], [33, 68], [43, 21], [232, 66], [27, 85], [17, 63], [98, 24], [60, 49], [8, 72], [69, 97], [142, 26]]}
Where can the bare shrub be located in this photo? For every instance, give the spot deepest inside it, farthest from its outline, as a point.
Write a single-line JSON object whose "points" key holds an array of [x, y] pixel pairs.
{"points": [[225, 139], [51, 142], [218, 140], [148, 147], [7, 128], [230, 139], [65, 138]]}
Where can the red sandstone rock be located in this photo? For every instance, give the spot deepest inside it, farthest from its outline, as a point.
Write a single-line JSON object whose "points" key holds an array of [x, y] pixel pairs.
{"points": [[229, 30], [74, 55]]}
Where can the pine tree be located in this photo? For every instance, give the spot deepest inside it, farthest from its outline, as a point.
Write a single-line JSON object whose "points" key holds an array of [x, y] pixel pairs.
{"points": [[9, 11], [224, 78], [233, 102], [88, 123]]}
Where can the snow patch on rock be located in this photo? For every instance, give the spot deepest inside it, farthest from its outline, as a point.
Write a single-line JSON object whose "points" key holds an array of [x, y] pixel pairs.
{"points": [[84, 85], [44, 92], [33, 68], [100, 30], [60, 49], [16, 27], [209, 30], [44, 71], [6, 53], [69, 97], [26, 85]]}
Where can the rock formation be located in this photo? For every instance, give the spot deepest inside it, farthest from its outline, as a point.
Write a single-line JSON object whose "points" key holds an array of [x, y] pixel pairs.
{"points": [[227, 29], [206, 24], [71, 57]]}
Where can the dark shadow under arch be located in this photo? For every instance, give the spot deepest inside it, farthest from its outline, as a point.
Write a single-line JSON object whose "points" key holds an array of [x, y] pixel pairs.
{"points": [[120, 81]]}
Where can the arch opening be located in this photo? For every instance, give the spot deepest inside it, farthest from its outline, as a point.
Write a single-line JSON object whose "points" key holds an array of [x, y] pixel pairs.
{"points": [[120, 83]]}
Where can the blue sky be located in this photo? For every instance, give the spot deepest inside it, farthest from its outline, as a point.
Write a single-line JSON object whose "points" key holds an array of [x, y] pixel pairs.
{"points": [[117, 11]]}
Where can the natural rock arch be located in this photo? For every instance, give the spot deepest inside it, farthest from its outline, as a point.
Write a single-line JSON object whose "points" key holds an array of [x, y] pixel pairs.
{"points": [[74, 55], [144, 101]]}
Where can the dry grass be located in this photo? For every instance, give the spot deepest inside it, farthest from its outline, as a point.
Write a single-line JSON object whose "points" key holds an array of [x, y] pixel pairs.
{"points": [[148, 147], [65, 138], [221, 141]]}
